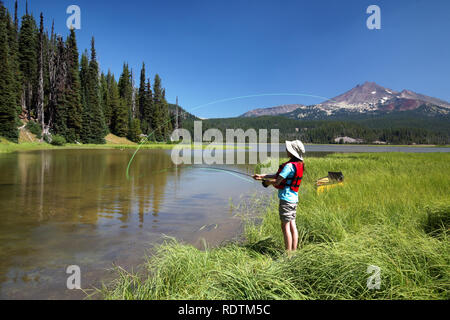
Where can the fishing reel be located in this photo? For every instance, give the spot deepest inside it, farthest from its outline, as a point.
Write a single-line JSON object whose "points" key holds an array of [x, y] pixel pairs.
{"points": [[265, 183]]}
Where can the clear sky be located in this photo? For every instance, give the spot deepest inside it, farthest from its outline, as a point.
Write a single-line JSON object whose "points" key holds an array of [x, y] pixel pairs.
{"points": [[211, 50]]}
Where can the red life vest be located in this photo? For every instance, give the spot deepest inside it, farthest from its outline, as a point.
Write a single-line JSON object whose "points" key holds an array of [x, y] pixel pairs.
{"points": [[296, 180]]}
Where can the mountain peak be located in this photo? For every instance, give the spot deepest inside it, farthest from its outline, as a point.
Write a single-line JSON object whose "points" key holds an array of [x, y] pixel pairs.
{"points": [[370, 95], [367, 93], [369, 83], [373, 85]]}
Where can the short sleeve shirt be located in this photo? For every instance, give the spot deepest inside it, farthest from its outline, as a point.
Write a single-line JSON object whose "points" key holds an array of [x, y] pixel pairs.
{"points": [[287, 194]]}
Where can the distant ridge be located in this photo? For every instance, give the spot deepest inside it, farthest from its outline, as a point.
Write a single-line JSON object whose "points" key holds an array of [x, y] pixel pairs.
{"points": [[273, 111]]}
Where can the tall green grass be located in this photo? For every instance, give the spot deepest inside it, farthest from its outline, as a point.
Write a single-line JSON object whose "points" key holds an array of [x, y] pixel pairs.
{"points": [[393, 211], [8, 147]]}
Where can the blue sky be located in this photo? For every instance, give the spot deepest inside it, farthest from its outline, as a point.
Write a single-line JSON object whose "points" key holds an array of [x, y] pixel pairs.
{"points": [[211, 50]]}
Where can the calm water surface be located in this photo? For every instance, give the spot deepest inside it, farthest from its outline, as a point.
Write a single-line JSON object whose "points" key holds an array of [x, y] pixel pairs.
{"points": [[76, 207]]}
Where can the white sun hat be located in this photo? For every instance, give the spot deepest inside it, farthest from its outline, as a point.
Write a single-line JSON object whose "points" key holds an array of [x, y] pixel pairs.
{"points": [[296, 148]]}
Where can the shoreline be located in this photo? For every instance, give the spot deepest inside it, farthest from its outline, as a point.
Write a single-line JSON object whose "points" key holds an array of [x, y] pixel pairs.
{"points": [[10, 147]]}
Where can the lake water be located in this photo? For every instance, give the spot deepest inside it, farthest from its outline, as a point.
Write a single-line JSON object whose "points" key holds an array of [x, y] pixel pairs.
{"points": [[77, 207]]}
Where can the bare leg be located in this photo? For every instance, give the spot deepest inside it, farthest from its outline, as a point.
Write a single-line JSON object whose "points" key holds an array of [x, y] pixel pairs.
{"points": [[285, 226], [294, 233]]}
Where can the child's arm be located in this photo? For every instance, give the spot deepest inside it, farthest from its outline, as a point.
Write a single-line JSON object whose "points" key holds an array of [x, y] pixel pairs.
{"points": [[275, 182], [264, 176], [269, 178]]}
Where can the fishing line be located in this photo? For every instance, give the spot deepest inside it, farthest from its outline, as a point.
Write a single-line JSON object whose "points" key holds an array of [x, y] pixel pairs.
{"points": [[233, 173], [237, 174], [219, 101]]}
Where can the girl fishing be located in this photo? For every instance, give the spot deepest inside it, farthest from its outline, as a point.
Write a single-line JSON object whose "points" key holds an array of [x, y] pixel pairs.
{"points": [[287, 180]]}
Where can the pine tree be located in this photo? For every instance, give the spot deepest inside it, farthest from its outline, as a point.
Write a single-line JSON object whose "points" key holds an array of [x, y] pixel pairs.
{"points": [[134, 110], [126, 94], [58, 109], [86, 115], [142, 98], [167, 129], [160, 112], [47, 88], [8, 116], [156, 115], [28, 38], [119, 119], [73, 90], [16, 18], [40, 72], [148, 108], [84, 74], [98, 128], [13, 42], [135, 131], [134, 128], [52, 60], [105, 99], [125, 87]]}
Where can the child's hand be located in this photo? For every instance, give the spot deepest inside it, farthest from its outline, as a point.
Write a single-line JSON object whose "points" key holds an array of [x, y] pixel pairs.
{"points": [[258, 176]]}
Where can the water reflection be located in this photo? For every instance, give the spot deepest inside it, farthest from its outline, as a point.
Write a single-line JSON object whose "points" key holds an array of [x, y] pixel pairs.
{"points": [[64, 207]]}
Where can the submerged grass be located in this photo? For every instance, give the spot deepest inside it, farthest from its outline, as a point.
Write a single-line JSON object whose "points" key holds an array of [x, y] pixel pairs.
{"points": [[392, 212]]}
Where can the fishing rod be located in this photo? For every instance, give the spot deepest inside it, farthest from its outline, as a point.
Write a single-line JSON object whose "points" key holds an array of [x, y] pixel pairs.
{"points": [[222, 169], [264, 180]]}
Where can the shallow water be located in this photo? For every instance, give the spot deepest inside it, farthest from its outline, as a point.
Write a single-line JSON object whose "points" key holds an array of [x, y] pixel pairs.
{"points": [[76, 207]]}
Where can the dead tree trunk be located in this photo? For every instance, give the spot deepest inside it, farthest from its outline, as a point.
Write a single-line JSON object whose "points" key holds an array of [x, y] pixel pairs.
{"points": [[133, 97], [176, 114]]}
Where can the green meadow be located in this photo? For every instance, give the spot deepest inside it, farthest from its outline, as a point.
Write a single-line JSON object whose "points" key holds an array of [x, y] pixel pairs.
{"points": [[393, 212], [8, 147]]}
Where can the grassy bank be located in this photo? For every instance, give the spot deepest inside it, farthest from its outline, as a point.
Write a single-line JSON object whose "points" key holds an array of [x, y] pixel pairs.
{"points": [[393, 212], [7, 147]]}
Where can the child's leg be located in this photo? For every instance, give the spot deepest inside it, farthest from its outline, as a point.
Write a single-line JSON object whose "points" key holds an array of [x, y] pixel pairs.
{"points": [[285, 226], [294, 232]]}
